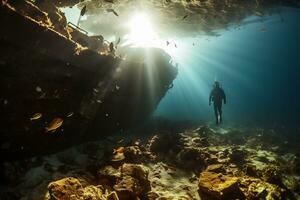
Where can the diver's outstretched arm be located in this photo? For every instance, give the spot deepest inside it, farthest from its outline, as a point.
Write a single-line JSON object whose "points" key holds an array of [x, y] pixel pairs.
{"points": [[224, 97]]}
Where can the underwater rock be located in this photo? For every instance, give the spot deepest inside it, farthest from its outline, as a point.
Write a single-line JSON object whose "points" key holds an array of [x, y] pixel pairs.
{"points": [[134, 154], [108, 175], [217, 168], [250, 170], [219, 186], [191, 158], [181, 16], [129, 180], [254, 178], [71, 188], [235, 137], [56, 16], [165, 143], [133, 182], [254, 188], [237, 156], [71, 79]]}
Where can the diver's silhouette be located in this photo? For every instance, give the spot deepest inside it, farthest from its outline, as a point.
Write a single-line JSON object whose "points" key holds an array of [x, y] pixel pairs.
{"points": [[217, 94]]}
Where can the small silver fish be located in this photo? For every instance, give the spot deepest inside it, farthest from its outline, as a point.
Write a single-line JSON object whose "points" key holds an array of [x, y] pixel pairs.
{"points": [[70, 114], [36, 116]]}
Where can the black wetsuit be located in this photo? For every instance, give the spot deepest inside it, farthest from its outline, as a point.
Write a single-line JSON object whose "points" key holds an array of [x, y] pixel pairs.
{"points": [[217, 95]]}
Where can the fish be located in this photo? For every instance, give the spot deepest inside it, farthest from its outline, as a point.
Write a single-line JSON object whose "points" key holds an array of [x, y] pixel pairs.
{"points": [[36, 116], [38, 89], [175, 45], [258, 14], [113, 11], [168, 43], [184, 17], [117, 87], [118, 41], [118, 150], [83, 10], [55, 124], [70, 114], [120, 141]]}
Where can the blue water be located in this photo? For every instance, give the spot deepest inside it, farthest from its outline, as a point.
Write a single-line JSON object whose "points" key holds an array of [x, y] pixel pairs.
{"points": [[259, 71]]}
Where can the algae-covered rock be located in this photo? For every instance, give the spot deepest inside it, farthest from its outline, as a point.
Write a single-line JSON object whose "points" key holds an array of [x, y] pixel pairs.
{"points": [[71, 188], [219, 186], [254, 188]]}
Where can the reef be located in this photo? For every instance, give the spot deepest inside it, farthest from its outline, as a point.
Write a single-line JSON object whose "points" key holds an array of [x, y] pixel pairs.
{"points": [[185, 17], [58, 90], [203, 163]]}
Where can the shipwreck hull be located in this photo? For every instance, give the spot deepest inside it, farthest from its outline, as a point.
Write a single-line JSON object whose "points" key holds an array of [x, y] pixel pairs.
{"points": [[42, 71]]}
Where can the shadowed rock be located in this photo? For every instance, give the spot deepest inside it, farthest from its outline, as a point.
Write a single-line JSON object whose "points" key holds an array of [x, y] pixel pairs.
{"points": [[44, 71]]}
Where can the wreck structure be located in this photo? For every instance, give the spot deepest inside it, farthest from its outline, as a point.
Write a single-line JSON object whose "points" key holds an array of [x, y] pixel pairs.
{"points": [[45, 71]]}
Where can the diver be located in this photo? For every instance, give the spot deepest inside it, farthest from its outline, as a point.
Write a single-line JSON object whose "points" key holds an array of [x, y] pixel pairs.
{"points": [[217, 95]]}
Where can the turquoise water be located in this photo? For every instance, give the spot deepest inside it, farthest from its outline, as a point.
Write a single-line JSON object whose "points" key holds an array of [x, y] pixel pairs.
{"points": [[257, 65]]}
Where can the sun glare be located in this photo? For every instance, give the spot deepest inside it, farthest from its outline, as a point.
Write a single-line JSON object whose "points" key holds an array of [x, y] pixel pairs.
{"points": [[141, 31]]}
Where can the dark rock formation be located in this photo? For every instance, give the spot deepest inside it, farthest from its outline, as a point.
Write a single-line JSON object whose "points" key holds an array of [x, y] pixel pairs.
{"points": [[133, 183], [49, 80], [219, 186], [203, 16], [129, 181]]}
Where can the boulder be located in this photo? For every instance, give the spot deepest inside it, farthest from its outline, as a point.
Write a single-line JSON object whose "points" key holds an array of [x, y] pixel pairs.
{"points": [[165, 143], [108, 175], [44, 72], [237, 156], [191, 159], [71, 188], [133, 183], [219, 186], [134, 154], [254, 188]]}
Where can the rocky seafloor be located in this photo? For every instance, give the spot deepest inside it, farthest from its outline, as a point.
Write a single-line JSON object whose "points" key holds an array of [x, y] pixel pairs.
{"points": [[199, 163]]}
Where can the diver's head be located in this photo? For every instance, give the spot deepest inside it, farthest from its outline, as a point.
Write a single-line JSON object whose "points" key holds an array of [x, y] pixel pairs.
{"points": [[217, 84]]}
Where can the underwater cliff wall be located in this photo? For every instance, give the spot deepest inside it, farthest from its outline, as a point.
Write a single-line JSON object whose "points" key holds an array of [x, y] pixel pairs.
{"points": [[55, 94]]}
